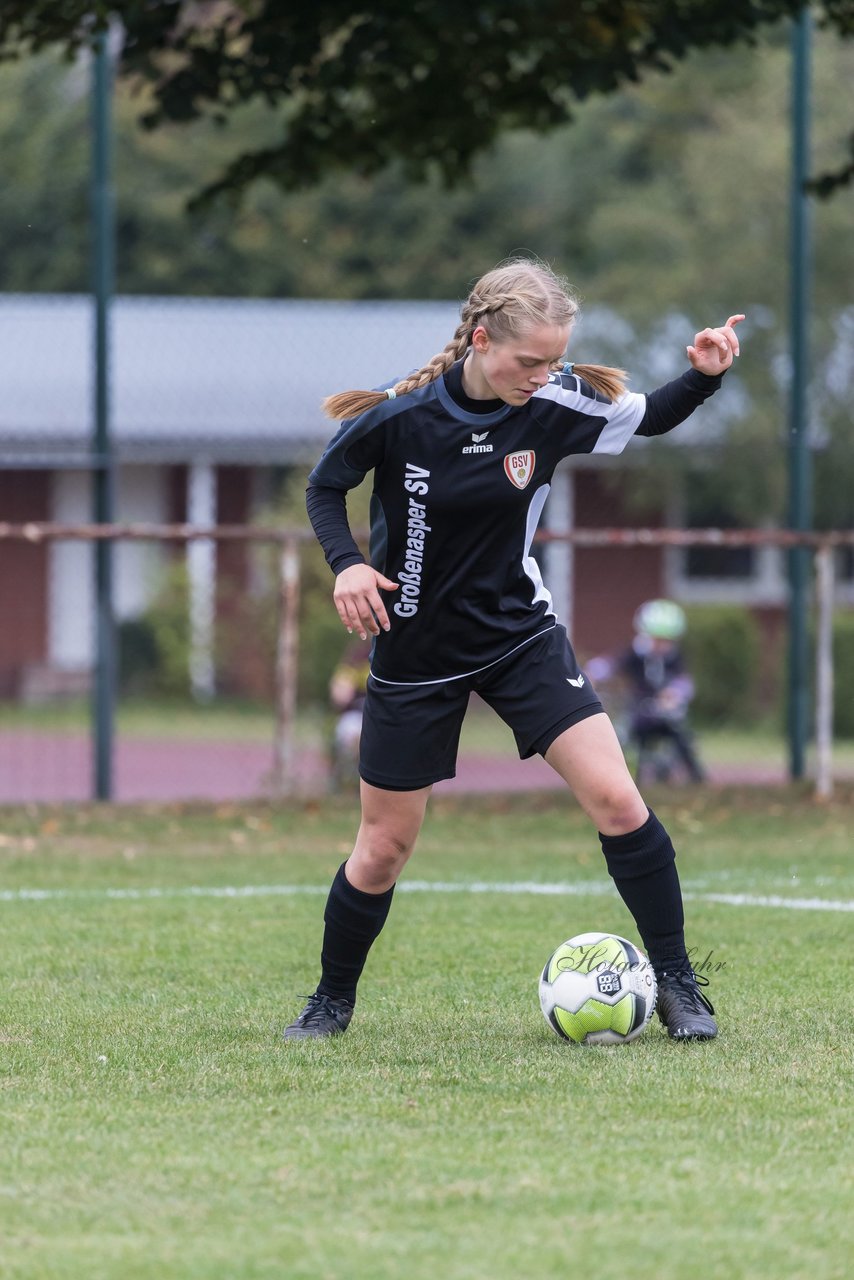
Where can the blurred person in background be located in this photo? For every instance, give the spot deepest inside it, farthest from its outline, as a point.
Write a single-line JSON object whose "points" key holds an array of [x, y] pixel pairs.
{"points": [[660, 691], [347, 691]]}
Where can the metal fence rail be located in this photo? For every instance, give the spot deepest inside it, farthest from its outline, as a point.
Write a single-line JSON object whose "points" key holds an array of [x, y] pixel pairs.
{"points": [[283, 775]]}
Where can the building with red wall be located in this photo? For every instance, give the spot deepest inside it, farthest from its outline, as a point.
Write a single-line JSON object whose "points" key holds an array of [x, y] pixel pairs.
{"points": [[211, 401]]}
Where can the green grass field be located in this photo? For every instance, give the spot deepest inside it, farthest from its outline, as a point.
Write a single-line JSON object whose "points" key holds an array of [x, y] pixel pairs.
{"points": [[153, 1125]]}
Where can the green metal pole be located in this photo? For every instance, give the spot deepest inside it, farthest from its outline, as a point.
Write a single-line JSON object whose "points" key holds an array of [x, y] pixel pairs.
{"points": [[800, 462], [103, 233]]}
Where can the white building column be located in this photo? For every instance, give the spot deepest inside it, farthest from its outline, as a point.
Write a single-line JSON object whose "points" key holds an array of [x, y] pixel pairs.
{"points": [[71, 577], [201, 572], [138, 567], [560, 557]]}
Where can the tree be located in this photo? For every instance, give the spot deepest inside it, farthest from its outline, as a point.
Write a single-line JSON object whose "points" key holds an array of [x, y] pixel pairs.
{"points": [[430, 85], [661, 201]]}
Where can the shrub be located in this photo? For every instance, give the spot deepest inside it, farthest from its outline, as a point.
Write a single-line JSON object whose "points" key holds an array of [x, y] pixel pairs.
{"points": [[843, 675], [138, 657], [722, 651], [322, 639], [154, 649], [169, 619], [321, 635]]}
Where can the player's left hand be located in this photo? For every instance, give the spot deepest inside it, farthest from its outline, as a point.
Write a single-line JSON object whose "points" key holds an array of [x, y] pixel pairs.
{"points": [[715, 349]]}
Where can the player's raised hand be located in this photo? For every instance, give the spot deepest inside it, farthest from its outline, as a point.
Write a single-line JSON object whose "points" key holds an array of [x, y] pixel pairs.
{"points": [[715, 349], [357, 599]]}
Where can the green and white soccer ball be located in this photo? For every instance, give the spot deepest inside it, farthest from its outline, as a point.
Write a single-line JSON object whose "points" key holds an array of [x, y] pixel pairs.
{"points": [[598, 988]]}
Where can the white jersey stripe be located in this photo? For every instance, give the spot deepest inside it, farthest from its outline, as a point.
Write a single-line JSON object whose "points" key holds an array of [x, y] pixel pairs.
{"points": [[465, 674], [622, 417], [532, 569]]}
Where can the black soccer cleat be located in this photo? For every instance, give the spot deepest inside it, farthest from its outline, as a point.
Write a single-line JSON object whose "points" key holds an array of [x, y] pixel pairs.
{"points": [[322, 1016], [683, 1008]]}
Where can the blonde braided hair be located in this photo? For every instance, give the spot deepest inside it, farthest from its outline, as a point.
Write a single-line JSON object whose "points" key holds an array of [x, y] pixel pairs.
{"points": [[515, 296]]}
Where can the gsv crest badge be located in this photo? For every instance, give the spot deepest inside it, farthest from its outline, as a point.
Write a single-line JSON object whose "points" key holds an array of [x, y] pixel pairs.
{"points": [[519, 467]]}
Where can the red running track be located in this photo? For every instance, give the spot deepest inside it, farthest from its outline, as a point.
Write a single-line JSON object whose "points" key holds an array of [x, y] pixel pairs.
{"points": [[38, 767]]}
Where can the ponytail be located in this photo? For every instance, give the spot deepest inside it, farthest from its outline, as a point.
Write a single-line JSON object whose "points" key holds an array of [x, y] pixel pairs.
{"points": [[511, 299], [610, 383], [349, 404]]}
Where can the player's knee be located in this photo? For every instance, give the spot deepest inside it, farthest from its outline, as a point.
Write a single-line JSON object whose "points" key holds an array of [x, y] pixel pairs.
{"points": [[384, 850], [619, 809]]}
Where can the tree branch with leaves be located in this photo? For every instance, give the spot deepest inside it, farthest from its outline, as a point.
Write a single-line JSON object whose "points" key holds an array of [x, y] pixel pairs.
{"points": [[430, 85]]}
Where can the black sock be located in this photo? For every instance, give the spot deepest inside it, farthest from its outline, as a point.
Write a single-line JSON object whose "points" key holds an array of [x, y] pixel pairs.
{"points": [[353, 920], [643, 866]]}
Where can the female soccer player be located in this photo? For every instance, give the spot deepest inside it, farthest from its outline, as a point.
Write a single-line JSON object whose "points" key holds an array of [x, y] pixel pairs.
{"points": [[462, 452]]}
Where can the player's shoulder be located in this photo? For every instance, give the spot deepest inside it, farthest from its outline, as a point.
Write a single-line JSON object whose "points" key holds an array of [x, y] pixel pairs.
{"points": [[391, 410], [569, 385]]}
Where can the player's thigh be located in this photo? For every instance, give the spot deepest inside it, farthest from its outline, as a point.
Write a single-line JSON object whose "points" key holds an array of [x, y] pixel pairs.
{"points": [[589, 758]]}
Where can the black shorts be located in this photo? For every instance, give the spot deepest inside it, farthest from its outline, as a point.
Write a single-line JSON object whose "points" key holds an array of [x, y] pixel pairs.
{"points": [[411, 732]]}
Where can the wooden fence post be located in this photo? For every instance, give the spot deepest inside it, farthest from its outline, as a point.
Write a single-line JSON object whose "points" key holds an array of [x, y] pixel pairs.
{"points": [[824, 672], [287, 666]]}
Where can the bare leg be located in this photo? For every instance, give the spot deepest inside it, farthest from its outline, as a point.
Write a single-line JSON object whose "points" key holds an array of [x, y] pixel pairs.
{"points": [[638, 851], [358, 904], [589, 758], [391, 821]]}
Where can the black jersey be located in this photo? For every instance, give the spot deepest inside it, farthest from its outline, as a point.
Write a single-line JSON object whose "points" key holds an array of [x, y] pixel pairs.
{"points": [[649, 671], [456, 501]]}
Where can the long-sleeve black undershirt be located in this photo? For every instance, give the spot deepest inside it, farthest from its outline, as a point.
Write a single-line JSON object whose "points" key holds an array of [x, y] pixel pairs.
{"points": [[666, 408], [327, 511], [671, 404]]}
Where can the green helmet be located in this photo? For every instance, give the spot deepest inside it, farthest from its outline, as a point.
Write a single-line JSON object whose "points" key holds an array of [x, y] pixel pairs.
{"points": [[661, 619]]}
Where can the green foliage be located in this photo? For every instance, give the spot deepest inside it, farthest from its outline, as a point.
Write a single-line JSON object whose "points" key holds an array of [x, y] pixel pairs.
{"points": [[430, 87], [722, 650], [322, 638], [657, 173], [246, 637], [138, 657], [166, 628], [155, 648], [664, 201], [843, 675], [44, 198]]}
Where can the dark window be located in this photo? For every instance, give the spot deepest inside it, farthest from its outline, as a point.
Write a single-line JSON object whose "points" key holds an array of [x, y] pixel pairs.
{"points": [[845, 564], [705, 510]]}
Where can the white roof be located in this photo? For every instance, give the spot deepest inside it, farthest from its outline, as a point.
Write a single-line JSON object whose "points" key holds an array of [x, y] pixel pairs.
{"points": [[230, 379], [241, 379]]}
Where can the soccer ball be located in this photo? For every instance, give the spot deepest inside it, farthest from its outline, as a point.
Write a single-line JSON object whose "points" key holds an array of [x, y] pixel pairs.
{"points": [[598, 988]]}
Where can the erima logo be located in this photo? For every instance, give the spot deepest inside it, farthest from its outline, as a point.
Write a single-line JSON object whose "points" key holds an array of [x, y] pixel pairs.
{"points": [[578, 683], [477, 445]]}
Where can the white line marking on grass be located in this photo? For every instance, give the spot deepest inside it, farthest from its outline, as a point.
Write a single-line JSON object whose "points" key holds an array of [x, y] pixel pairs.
{"points": [[170, 891], [581, 889], [771, 900]]}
